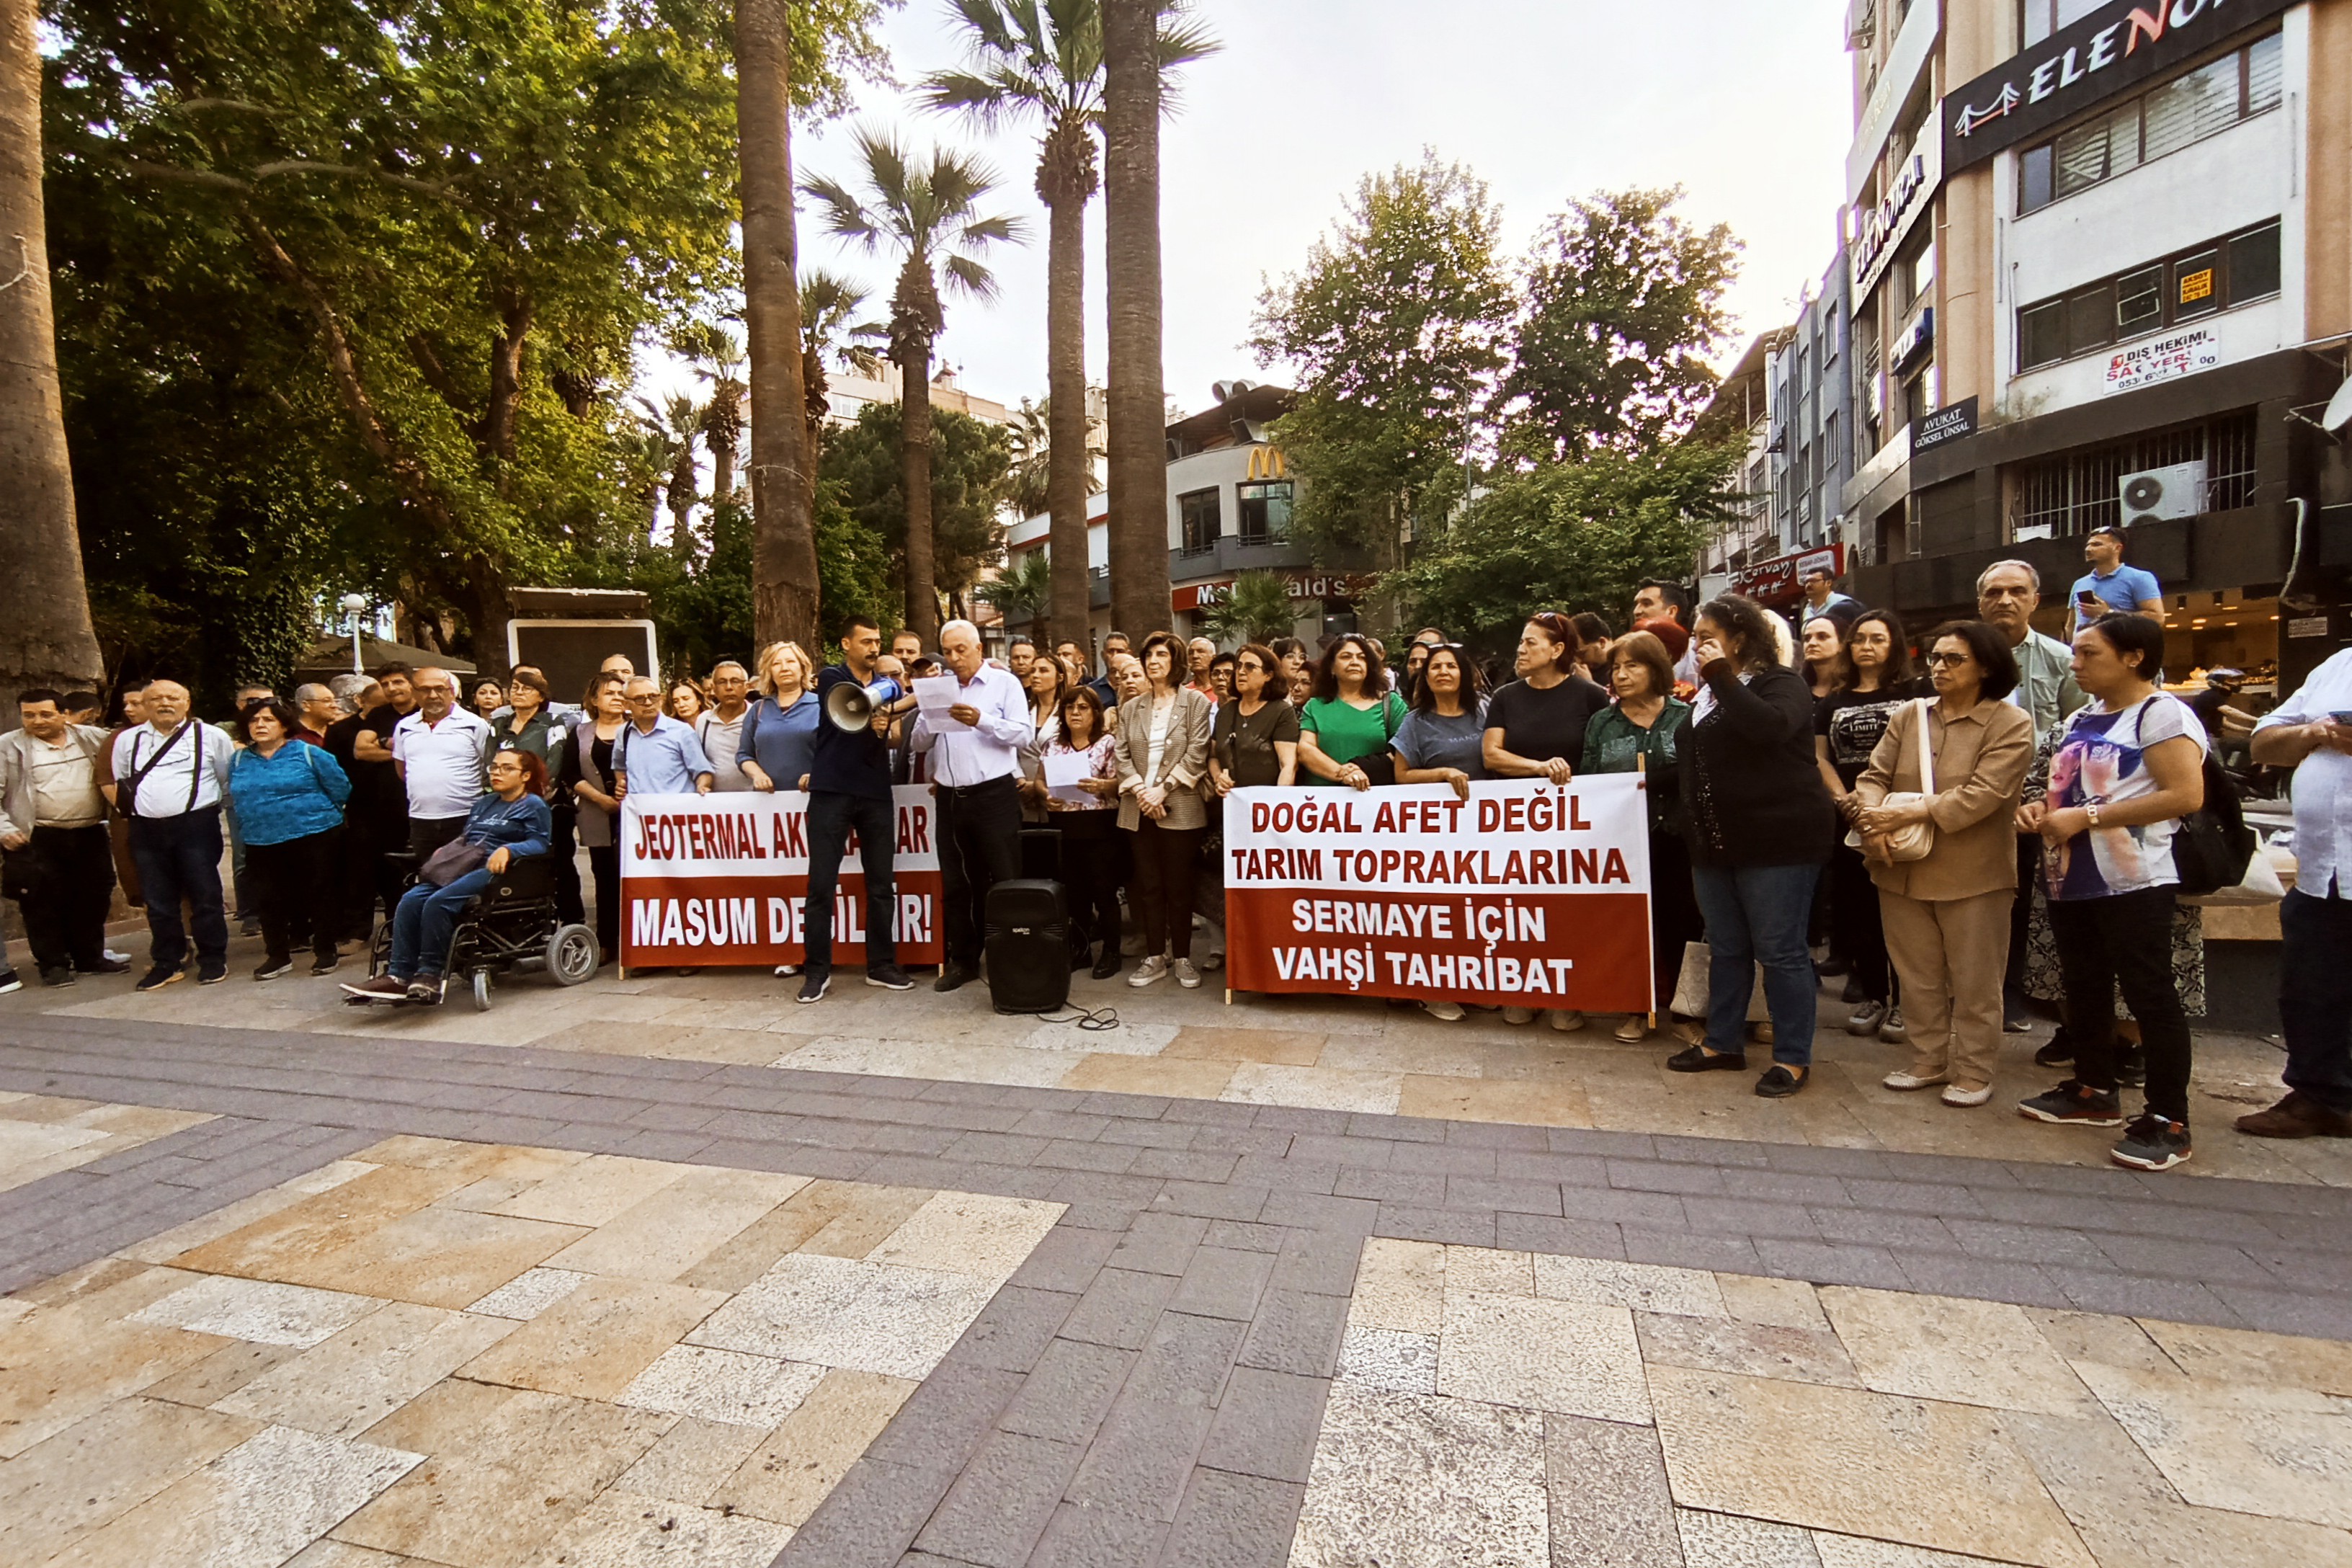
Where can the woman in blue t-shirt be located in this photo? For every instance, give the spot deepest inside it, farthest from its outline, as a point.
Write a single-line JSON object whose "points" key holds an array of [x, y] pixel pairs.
{"points": [[2129, 767]]}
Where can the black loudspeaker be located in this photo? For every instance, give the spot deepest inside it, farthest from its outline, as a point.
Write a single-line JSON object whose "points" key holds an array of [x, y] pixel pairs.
{"points": [[1028, 947], [1040, 854]]}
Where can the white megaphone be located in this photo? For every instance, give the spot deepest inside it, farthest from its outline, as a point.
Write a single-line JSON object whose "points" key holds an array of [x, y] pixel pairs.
{"points": [[851, 708]]}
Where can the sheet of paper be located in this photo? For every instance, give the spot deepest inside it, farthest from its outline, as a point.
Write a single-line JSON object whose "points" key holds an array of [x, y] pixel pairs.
{"points": [[935, 694], [1066, 768]]}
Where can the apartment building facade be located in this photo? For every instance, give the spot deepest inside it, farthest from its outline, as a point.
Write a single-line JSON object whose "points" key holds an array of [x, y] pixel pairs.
{"points": [[2100, 271]]}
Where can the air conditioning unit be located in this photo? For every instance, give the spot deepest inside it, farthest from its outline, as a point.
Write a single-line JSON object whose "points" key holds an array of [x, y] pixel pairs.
{"points": [[2178, 490]]}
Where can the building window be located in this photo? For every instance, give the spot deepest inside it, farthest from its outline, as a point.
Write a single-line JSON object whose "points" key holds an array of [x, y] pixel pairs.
{"points": [[1203, 521], [2037, 20], [2216, 275], [2163, 120], [1265, 512], [2073, 492]]}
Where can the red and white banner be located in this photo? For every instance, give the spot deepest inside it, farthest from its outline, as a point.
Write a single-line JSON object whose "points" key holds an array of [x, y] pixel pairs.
{"points": [[714, 879], [1525, 895]]}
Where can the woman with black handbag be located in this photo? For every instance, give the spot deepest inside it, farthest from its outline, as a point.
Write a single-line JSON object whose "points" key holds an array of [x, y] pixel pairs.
{"points": [[2129, 767]]}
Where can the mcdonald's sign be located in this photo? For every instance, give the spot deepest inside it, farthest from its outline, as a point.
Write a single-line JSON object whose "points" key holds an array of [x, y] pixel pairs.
{"points": [[1267, 463]]}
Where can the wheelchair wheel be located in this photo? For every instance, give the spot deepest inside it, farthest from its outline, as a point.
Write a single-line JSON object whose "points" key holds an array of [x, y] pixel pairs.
{"points": [[571, 954], [380, 949], [481, 991]]}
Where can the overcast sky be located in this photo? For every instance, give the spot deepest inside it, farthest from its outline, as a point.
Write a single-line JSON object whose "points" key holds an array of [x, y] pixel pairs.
{"points": [[1747, 106]]}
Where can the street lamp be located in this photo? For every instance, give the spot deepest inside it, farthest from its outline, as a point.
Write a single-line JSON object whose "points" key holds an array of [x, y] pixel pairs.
{"points": [[354, 605]]}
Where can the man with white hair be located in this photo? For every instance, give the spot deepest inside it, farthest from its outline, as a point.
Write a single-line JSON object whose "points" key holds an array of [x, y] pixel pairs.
{"points": [[171, 778], [1200, 655], [975, 760], [441, 754], [320, 710]]}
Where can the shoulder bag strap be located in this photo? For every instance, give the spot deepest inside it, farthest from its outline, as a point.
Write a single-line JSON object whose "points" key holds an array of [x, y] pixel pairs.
{"points": [[1926, 752]]}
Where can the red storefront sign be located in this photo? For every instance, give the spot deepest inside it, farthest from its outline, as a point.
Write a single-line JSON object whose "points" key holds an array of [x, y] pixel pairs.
{"points": [[1781, 581]]}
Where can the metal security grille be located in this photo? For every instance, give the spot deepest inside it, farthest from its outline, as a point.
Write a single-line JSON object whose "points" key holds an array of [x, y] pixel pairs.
{"points": [[2075, 492]]}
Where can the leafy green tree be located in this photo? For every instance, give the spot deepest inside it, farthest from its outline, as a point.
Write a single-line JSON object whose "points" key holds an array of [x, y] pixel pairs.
{"points": [[1625, 310], [1022, 594], [970, 462], [925, 212], [1256, 609], [1397, 324]]}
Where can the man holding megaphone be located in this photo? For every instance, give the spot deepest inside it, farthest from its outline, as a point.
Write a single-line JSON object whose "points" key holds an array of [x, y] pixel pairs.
{"points": [[849, 789]]}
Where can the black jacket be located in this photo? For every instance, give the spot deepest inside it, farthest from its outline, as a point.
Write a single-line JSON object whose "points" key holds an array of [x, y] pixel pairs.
{"points": [[1752, 794]]}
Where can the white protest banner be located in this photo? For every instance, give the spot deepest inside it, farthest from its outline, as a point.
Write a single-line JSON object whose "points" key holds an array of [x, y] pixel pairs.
{"points": [[717, 879], [1527, 894]]}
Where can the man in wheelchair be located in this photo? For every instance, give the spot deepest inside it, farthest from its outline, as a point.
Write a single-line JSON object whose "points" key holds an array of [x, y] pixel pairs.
{"points": [[512, 823]]}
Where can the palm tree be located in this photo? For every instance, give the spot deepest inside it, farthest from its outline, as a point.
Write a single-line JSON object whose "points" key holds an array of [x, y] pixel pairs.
{"points": [[1135, 91], [783, 528], [45, 631], [1022, 594], [718, 360], [1045, 57], [1256, 609], [927, 212], [676, 421], [1029, 487]]}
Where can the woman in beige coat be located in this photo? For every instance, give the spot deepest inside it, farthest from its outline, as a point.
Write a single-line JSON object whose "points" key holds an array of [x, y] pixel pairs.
{"points": [[1946, 915], [1163, 754]]}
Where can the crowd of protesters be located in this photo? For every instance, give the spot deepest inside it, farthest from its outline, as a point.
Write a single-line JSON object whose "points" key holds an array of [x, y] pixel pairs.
{"points": [[1959, 823]]}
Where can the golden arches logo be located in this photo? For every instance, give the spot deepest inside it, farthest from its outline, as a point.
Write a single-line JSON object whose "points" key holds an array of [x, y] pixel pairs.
{"points": [[1265, 463]]}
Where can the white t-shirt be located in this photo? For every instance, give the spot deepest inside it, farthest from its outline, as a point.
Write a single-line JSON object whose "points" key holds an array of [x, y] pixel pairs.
{"points": [[2104, 757], [446, 766]]}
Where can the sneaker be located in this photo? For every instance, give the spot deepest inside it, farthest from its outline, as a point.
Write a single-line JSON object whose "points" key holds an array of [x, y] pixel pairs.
{"points": [[212, 977], [1519, 1014], [889, 978], [1567, 1022], [2013, 1020], [2058, 1053], [1779, 1083], [2297, 1116], [2152, 1143], [2131, 1067], [1444, 1012], [1904, 1082], [1832, 967], [813, 987], [1186, 975], [382, 988], [249, 925], [2076, 1104], [425, 990], [328, 965], [155, 979], [1891, 1030], [108, 964], [61, 974], [1633, 1029], [1214, 960], [786, 970], [1954, 1095], [1853, 991], [274, 969], [111, 956], [1150, 972], [10, 981], [1866, 1019]]}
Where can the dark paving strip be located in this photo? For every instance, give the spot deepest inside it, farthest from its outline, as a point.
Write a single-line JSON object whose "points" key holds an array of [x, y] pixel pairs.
{"points": [[1147, 1390]]}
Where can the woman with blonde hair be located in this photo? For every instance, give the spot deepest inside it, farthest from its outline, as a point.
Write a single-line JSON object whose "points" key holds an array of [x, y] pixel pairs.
{"points": [[779, 728]]}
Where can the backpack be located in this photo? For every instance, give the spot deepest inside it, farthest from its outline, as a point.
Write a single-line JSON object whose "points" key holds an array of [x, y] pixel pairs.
{"points": [[2212, 847]]}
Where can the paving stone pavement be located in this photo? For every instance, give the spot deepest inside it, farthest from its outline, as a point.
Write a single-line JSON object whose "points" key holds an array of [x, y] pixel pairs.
{"points": [[1149, 1385]]}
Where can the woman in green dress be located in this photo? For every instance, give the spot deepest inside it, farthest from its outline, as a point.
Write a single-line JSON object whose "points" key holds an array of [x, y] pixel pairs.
{"points": [[1346, 727]]}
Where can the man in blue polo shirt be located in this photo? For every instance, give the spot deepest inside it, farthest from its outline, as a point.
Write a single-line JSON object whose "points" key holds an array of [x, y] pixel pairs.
{"points": [[2114, 585], [655, 754]]}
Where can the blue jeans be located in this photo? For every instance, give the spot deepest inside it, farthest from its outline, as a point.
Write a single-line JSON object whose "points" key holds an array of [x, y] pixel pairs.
{"points": [[424, 922], [179, 858], [2315, 997], [1757, 914], [831, 815]]}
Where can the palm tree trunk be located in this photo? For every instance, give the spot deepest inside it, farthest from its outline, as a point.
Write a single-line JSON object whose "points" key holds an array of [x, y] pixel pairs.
{"points": [[45, 631], [1138, 451], [1066, 462], [783, 534], [914, 438]]}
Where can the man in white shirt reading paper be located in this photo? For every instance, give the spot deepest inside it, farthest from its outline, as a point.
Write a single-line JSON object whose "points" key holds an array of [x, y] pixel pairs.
{"points": [[973, 745]]}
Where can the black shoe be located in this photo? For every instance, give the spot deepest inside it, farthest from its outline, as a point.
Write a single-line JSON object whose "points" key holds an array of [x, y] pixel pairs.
{"points": [[2058, 1053], [249, 926], [10, 981], [2131, 1068], [59, 975], [889, 976], [813, 987], [101, 965], [1080, 961], [954, 977], [2076, 1104], [1779, 1083], [2152, 1143], [326, 965], [1854, 991], [1698, 1058], [274, 969], [1832, 967], [212, 976], [157, 978], [1109, 964]]}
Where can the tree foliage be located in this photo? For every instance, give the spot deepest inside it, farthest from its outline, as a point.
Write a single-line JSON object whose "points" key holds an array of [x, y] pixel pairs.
{"points": [[1023, 593], [348, 292], [1397, 325], [1256, 609], [971, 465]]}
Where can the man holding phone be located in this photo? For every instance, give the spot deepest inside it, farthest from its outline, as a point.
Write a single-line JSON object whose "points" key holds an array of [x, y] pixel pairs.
{"points": [[2110, 586]]}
